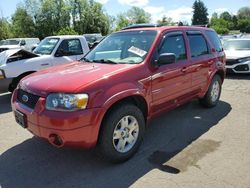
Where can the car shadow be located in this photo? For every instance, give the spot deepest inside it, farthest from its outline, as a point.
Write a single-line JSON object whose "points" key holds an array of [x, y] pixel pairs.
{"points": [[5, 103], [169, 139], [238, 76]]}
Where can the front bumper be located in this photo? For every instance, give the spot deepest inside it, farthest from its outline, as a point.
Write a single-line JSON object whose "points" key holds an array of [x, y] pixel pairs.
{"points": [[75, 129], [239, 68]]}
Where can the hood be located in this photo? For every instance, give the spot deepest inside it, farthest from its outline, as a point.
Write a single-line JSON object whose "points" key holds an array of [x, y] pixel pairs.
{"points": [[8, 53], [237, 54], [69, 78]]}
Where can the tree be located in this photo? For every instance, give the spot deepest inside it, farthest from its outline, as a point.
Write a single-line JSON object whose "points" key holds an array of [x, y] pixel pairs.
{"points": [[226, 16], [66, 31], [22, 24], [88, 16], [121, 21], [244, 13], [200, 14], [4, 29], [244, 25], [137, 15], [165, 21]]}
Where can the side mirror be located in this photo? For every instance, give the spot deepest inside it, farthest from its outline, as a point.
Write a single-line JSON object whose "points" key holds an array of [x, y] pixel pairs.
{"points": [[60, 53], [166, 58], [23, 43]]}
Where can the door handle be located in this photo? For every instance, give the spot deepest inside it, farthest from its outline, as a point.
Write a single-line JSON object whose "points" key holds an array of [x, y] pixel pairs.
{"points": [[44, 64]]}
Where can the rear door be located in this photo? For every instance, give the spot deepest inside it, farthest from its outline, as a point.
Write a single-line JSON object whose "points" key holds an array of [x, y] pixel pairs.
{"points": [[201, 59], [171, 82]]}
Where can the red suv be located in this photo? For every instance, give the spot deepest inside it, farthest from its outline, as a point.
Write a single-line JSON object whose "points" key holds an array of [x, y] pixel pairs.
{"points": [[106, 99]]}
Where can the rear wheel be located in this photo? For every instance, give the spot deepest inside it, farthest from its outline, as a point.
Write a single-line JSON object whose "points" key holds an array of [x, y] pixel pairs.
{"points": [[213, 94], [122, 132]]}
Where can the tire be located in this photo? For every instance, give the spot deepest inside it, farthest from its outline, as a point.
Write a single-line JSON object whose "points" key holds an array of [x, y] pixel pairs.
{"points": [[212, 96], [13, 85], [121, 133]]}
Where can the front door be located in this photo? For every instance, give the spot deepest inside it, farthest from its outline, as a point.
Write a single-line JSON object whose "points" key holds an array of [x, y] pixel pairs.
{"points": [[171, 82], [69, 50]]}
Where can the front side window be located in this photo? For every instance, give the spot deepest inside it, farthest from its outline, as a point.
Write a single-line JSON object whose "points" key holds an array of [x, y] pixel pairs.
{"points": [[175, 44], [129, 47], [46, 46], [70, 47], [198, 45]]}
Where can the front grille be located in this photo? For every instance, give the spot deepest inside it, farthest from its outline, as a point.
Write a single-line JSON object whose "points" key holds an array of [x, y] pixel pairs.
{"points": [[242, 68], [232, 61], [3, 49], [27, 99]]}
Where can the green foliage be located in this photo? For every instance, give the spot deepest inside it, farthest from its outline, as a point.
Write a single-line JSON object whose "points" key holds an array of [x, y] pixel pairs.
{"points": [[244, 13], [22, 24], [4, 29], [138, 16], [134, 15], [221, 30], [200, 16], [226, 16], [225, 22], [165, 21], [66, 31], [244, 25]]}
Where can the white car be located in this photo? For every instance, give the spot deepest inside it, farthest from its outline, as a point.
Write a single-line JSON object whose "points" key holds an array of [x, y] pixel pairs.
{"points": [[19, 43], [238, 55], [55, 50]]}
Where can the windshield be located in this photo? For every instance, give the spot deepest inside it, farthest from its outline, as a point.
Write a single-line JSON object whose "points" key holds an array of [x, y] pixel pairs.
{"points": [[46, 46], [124, 47], [11, 42], [237, 45], [2, 42]]}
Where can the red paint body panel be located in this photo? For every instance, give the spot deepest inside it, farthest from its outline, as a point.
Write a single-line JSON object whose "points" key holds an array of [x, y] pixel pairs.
{"points": [[163, 88]]}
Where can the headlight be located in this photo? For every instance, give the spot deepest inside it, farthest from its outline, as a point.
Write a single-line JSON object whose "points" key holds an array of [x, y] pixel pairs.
{"points": [[244, 59], [66, 102]]}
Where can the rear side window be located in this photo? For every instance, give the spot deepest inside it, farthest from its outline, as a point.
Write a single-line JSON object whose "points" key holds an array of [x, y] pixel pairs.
{"points": [[213, 37], [174, 44], [198, 45]]}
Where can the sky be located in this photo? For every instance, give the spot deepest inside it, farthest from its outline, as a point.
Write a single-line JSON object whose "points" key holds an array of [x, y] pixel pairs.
{"points": [[179, 10]]}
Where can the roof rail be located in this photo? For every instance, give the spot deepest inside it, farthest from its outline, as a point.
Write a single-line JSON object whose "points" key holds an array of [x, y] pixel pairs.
{"points": [[206, 25], [140, 26]]}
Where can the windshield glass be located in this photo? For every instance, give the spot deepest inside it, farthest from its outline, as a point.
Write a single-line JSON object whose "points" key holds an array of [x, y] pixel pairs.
{"points": [[11, 42], [2, 42], [237, 45], [125, 47], [46, 46]]}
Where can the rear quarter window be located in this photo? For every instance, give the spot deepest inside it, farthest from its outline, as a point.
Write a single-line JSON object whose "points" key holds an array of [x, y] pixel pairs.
{"points": [[214, 39]]}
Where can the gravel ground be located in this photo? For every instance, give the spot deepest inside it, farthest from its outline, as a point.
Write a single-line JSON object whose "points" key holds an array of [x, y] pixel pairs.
{"points": [[187, 147]]}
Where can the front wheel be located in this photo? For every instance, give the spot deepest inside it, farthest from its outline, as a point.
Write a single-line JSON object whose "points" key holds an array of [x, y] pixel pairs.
{"points": [[213, 94], [121, 133]]}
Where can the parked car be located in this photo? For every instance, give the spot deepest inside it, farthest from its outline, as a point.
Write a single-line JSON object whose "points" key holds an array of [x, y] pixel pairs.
{"points": [[106, 99], [55, 50], [2, 42], [19, 43], [238, 55]]}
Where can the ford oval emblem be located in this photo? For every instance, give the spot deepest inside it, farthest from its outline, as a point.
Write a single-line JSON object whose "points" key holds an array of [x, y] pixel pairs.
{"points": [[25, 98]]}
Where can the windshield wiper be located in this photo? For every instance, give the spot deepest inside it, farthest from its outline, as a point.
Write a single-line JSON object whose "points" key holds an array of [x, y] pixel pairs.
{"points": [[85, 60], [104, 61]]}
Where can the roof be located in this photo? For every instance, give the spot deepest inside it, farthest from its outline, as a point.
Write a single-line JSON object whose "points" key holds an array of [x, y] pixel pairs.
{"points": [[66, 36], [165, 28]]}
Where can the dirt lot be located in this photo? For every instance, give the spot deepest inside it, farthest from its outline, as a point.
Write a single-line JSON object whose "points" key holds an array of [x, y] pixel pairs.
{"points": [[188, 147]]}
